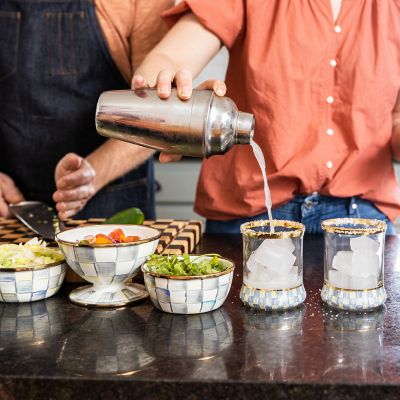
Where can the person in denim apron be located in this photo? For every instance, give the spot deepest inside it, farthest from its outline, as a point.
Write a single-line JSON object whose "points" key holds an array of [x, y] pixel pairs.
{"points": [[54, 64]]}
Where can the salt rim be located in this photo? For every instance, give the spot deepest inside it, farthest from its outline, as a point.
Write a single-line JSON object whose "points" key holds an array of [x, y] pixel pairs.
{"points": [[372, 226], [297, 229]]}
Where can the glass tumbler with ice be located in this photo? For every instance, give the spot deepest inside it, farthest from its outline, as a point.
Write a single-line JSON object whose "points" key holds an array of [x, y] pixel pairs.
{"points": [[272, 264], [353, 272]]}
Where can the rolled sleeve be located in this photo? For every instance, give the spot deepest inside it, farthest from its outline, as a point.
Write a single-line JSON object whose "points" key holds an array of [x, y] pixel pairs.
{"points": [[224, 18]]}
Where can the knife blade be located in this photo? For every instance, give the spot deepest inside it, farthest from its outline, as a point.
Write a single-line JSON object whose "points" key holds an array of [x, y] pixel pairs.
{"points": [[39, 217]]}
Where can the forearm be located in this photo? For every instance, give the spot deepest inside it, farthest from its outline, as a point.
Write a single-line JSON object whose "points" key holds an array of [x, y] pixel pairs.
{"points": [[114, 159], [187, 46]]}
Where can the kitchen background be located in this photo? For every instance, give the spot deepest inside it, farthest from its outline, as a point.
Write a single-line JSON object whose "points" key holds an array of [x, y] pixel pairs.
{"points": [[176, 182]]}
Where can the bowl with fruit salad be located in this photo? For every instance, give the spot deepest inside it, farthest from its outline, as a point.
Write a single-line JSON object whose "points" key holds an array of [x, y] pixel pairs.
{"points": [[108, 257]]}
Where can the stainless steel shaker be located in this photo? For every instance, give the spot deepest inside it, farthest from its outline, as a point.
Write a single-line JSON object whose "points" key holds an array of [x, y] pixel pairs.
{"points": [[202, 126]]}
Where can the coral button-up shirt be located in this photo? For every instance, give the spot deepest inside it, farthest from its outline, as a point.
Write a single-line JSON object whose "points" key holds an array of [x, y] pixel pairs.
{"points": [[322, 92]]}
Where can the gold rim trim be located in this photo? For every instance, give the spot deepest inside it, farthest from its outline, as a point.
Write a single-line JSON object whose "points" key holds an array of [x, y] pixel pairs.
{"points": [[77, 244], [328, 285], [274, 290], [372, 226], [297, 229], [33, 268], [226, 271]]}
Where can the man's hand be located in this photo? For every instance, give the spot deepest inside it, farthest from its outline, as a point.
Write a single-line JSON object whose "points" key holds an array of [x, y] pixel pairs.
{"points": [[9, 194], [75, 183], [184, 87]]}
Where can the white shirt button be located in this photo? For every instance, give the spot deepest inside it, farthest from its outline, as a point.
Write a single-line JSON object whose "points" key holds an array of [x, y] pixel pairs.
{"points": [[330, 99], [338, 29], [333, 63], [330, 131], [329, 164]]}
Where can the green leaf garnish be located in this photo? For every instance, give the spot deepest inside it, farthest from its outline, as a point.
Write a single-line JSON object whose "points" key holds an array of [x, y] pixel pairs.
{"points": [[182, 265]]}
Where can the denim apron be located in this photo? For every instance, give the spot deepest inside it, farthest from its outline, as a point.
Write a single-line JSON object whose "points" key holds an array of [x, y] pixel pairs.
{"points": [[54, 64]]}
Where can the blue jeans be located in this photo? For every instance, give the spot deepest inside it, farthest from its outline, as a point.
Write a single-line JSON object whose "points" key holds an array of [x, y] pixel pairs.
{"points": [[311, 211]]}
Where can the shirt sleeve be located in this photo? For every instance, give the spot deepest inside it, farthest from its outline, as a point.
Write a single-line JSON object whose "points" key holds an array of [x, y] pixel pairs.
{"points": [[148, 28], [224, 18]]}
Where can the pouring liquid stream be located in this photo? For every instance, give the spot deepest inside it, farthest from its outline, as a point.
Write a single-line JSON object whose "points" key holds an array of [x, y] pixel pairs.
{"points": [[261, 162]]}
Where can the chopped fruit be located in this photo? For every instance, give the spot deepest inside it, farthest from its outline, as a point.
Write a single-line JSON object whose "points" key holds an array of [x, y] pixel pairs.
{"points": [[129, 239], [116, 236], [102, 239]]}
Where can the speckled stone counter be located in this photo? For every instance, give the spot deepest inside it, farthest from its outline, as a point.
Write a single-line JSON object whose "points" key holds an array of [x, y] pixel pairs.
{"points": [[53, 349]]}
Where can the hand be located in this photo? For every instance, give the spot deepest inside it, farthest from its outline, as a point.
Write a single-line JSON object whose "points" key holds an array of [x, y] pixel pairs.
{"points": [[75, 183], [183, 80], [9, 194]]}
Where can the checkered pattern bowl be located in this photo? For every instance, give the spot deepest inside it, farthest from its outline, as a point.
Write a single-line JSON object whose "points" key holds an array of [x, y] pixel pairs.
{"points": [[189, 294], [107, 266], [24, 284]]}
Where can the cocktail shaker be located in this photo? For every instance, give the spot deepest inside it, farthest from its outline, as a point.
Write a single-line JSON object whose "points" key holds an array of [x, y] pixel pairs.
{"points": [[202, 126]]}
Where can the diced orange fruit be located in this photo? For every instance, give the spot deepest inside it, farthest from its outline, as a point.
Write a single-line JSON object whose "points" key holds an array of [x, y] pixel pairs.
{"points": [[102, 239], [129, 239], [117, 236]]}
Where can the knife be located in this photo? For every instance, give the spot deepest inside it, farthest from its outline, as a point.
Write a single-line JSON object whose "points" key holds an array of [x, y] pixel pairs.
{"points": [[39, 217]]}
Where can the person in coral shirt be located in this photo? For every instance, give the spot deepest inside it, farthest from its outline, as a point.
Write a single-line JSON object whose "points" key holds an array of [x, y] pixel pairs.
{"points": [[323, 80], [56, 57]]}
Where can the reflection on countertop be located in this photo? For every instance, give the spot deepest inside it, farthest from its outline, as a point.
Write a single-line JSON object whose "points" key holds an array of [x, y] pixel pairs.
{"points": [[355, 348]]}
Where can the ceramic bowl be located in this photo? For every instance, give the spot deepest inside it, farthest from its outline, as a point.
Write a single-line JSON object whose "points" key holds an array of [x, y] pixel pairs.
{"points": [[189, 294], [107, 267], [24, 284]]}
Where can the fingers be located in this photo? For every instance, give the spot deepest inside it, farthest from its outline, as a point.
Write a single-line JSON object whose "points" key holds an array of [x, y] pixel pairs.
{"points": [[81, 177], [75, 186], [79, 193], [164, 82], [63, 215], [184, 87], [69, 163], [4, 210], [217, 86], [9, 191], [139, 82], [166, 157], [68, 209]]}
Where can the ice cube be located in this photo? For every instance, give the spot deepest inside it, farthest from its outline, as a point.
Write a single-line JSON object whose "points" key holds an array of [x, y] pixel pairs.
{"points": [[253, 264], [286, 243], [343, 261], [364, 243], [273, 255], [338, 279], [279, 284], [253, 280], [361, 283], [365, 263]]}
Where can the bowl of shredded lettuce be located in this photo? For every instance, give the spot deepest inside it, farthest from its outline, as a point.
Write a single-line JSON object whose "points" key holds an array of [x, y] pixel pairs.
{"points": [[30, 271], [188, 284]]}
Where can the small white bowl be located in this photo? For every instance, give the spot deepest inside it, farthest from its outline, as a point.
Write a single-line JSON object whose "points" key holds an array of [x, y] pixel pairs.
{"points": [[25, 284], [107, 266], [189, 294]]}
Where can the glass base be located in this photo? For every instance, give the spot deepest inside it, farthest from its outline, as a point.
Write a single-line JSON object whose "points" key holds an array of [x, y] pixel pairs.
{"points": [[353, 300], [269, 300], [108, 295]]}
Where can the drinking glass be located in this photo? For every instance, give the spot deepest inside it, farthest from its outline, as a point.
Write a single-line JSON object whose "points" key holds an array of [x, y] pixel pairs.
{"points": [[272, 264], [354, 262]]}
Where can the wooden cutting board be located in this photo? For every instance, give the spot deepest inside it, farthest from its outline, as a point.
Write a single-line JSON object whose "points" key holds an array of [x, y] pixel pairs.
{"points": [[178, 236]]}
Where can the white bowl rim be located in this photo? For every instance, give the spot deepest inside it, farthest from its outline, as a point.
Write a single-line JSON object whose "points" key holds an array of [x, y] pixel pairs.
{"points": [[32, 267], [156, 236], [226, 271]]}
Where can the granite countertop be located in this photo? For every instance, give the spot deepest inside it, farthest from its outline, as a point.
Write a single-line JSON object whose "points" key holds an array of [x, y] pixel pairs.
{"points": [[54, 349]]}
